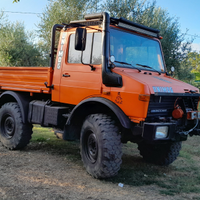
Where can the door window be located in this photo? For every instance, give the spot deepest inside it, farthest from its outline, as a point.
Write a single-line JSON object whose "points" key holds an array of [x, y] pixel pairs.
{"points": [[92, 53]]}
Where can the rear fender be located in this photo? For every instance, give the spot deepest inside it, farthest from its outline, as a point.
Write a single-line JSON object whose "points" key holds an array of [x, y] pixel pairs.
{"points": [[21, 99]]}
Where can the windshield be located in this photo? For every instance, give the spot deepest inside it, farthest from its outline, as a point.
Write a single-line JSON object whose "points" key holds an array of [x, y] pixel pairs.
{"points": [[140, 52]]}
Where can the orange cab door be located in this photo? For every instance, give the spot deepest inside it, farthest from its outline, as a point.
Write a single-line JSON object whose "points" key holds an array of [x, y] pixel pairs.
{"points": [[79, 81]]}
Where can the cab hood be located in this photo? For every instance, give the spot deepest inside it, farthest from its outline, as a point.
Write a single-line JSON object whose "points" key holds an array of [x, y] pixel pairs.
{"points": [[158, 83]]}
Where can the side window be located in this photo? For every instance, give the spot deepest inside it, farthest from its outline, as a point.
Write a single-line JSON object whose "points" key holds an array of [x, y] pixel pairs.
{"points": [[97, 47], [73, 56], [92, 53], [88, 48]]}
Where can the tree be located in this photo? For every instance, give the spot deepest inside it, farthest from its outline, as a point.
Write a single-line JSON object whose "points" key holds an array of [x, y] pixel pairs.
{"points": [[16, 1], [194, 60], [16, 48], [62, 11], [186, 71]]}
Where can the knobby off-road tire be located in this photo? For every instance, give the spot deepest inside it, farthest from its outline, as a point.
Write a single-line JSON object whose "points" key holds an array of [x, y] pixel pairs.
{"points": [[101, 148], [163, 154], [14, 134]]}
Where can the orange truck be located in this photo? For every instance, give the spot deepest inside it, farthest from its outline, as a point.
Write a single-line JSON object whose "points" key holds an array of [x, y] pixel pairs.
{"points": [[106, 85]]}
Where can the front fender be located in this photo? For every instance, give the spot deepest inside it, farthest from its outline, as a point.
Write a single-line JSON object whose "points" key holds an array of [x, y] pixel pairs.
{"points": [[91, 106], [123, 119]]}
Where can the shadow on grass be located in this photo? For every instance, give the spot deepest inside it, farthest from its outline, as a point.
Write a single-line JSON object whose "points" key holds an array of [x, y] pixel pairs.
{"points": [[70, 150], [136, 172], [181, 176]]}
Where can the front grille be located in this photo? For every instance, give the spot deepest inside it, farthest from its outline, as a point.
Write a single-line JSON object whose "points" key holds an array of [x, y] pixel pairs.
{"points": [[190, 102], [162, 106]]}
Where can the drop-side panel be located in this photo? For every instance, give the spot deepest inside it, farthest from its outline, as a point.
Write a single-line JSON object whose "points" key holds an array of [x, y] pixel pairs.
{"points": [[26, 79]]}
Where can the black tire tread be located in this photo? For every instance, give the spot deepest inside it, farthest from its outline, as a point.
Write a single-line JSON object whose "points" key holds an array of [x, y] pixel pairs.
{"points": [[21, 138], [162, 155], [112, 148]]}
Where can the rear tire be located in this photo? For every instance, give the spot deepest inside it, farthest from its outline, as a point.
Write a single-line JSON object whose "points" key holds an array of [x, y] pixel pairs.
{"points": [[101, 146], [162, 154], [14, 134]]}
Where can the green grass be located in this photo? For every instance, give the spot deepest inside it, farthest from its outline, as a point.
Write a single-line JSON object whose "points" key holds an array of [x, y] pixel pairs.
{"points": [[45, 139], [182, 176]]}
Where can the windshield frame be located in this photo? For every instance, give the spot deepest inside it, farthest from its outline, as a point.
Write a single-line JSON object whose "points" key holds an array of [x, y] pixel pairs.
{"points": [[143, 36]]}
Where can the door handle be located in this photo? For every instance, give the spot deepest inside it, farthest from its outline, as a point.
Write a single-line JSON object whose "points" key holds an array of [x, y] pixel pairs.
{"points": [[66, 75]]}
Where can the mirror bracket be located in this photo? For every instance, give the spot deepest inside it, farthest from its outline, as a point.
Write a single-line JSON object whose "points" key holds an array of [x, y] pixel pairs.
{"points": [[92, 68]]}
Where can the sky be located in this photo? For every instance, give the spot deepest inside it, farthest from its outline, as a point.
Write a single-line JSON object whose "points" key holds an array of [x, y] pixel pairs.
{"points": [[187, 12], [33, 6]]}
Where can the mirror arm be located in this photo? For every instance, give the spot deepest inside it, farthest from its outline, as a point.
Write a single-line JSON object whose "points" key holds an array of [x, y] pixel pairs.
{"points": [[111, 66], [169, 74], [92, 67]]}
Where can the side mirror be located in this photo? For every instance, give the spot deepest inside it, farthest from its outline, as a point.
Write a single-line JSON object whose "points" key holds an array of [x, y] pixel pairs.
{"points": [[112, 59], [80, 39], [172, 71]]}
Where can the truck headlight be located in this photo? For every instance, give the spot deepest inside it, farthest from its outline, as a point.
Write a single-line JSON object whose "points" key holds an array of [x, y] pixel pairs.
{"points": [[161, 132]]}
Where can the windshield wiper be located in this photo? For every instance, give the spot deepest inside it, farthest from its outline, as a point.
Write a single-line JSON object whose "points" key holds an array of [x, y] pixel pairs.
{"points": [[128, 64], [149, 68]]}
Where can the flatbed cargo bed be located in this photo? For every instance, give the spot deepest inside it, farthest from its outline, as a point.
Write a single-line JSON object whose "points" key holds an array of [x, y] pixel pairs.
{"points": [[26, 79]]}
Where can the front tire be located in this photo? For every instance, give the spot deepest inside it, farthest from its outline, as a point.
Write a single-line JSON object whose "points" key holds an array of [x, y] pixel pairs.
{"points": [[14, 134], [101, 146], [160, 154]]}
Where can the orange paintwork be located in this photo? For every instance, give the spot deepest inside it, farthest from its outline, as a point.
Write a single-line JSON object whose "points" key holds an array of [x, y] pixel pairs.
{"points": [[129, 95], [136, 83], [26, 79], [80, 82]]}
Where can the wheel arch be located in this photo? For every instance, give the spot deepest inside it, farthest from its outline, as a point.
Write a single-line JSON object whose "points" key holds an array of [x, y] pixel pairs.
{"points": [[91, 106], [20, 98]]}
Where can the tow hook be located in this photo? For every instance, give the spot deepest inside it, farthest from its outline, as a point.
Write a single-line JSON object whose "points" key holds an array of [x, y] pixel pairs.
{"points": [[195, 132], [192, 131]]}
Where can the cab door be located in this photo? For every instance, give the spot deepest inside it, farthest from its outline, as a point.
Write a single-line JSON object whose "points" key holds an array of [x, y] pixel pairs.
{"points": [[78, 80]]}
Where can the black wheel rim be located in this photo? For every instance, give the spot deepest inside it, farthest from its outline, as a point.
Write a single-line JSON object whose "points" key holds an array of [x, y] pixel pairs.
{"points": [[91, 147], [8, 126]]}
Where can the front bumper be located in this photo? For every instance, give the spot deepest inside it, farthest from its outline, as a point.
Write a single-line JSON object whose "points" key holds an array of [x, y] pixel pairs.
{"points": [[150, 129]]}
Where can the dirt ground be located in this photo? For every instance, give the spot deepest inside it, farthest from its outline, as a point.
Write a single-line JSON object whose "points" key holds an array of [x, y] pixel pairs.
{"points": [[39, 173]]}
